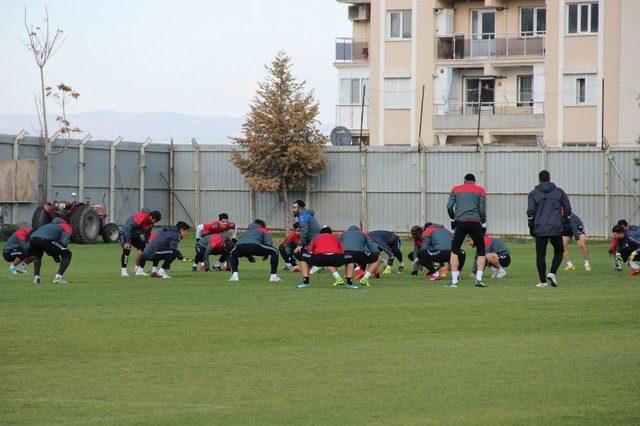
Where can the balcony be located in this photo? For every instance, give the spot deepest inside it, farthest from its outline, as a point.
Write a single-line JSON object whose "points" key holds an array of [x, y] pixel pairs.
{"points": [[464, 116], [352, 50], [505, 46], [349, 117]]}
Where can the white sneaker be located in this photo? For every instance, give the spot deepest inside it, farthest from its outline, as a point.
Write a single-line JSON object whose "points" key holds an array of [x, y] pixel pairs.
{"points": [[494, 273], [59, 280], [274, 278], [21, 268], [124, 273], [551, 278], [542, 285], [163, 274], [36, 279], [501, 273], [313, 270], [234, 277], [140, 272]]}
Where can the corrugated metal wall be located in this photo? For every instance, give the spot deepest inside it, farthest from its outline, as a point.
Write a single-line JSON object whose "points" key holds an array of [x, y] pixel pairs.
{"points": [[393, 178]]}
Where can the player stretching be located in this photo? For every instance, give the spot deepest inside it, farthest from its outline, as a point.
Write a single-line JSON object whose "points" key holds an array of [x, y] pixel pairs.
{"points": [[326, 250], [16, 251], [52, 239], [164, 248], [628, 248], [497, 255], [573, 227], [288, 246], [134, 233], [389, 242], [256, 241], [223, 226], [467, 208], [214, 244], [436, 249], [363, 251]]}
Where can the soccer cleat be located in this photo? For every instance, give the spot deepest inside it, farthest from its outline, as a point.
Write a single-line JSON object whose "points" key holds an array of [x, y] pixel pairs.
{"points": [[587, 268], [443, 271], [36, 279], [479, 283], [287, 268], [359, 274], [140, 272], [569, 268], [414, 272], [501, 273], [387, 270], [59, 280], [216, 268], [365, 282], [338, 282], [494, 272], [194, 268], [400, 269], [542, 285], [452, 285], [124, 273], [274, 279], [313, 270], [434, 277], [234, 277], [13, 270], [552, 279], [352, 287], [163, 274], [302, 284], [634, 272]]}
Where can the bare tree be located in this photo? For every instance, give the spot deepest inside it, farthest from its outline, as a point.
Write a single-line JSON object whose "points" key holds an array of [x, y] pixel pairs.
{"points": [[63, 95]]}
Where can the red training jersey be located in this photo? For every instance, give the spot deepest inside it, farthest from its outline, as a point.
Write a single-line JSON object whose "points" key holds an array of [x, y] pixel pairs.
{"points": [[142, 220], [292, 238], [326, 244], [215, 243], [217, 228]]}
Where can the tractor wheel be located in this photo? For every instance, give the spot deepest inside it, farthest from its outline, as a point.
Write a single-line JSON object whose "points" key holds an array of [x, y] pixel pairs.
{"points": [[40, 217], [86, 224], [110, 233]]}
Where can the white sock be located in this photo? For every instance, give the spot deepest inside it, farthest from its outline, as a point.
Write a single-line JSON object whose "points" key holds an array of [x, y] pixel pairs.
{"points": [[336, 275], [367, 275], [124, 270], [586, 263], [634, 265], [234, 275], [569, 263], [154, 269], [551, 275], [479, 275], [454, 277]]}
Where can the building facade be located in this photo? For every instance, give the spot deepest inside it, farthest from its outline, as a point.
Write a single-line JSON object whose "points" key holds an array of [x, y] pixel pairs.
{"points": [[526, 72]]}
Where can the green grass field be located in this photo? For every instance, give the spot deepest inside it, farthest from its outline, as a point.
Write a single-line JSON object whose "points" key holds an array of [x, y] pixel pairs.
{"points": [[199, 350]]}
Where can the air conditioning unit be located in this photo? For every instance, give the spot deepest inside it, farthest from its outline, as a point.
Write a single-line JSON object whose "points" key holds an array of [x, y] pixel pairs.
{"points": [[360, 12]]}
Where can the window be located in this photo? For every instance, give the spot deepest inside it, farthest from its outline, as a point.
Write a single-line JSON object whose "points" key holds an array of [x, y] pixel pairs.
{"points": [[581, 91], [351, 91], [483, 24], [582, 18], [533, 21], [399, 24], [477, 91], [525, 90], [397, 93]]}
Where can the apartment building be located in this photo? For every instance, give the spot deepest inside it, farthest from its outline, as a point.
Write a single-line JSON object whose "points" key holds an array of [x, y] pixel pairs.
{"points": [[558, 72]]}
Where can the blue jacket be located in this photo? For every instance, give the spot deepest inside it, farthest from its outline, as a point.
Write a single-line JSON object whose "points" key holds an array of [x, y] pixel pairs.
{"points": [[309, 227], [356, 240], [58, 231], [167, 240]]}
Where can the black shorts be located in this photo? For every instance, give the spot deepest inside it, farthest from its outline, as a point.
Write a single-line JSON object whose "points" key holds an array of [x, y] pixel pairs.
{"points": [[52, 248], [472, 229], [14, 254], [504, 259], [136, 242], [569, 232], [327, 259], [362, 257]]}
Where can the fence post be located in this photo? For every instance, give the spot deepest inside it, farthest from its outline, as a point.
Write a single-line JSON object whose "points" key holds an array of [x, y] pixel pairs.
{"points": [[16, 156], [483, 182], [112, 179], [423, 183], [607, 192], [363, 187], [171, 183], [81, 164], [143, 169], [197, 180]]}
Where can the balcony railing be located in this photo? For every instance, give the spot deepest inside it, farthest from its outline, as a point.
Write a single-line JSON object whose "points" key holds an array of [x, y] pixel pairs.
{"points": [[491, 108], [465, 46], [349, 50], [349, 116]]}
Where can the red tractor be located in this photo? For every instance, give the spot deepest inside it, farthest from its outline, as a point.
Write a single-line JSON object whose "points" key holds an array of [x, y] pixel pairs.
{"points": [[87, 220]]}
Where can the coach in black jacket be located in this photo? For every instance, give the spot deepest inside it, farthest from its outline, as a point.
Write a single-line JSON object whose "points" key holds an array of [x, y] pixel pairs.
{"points": [[547, 209]]}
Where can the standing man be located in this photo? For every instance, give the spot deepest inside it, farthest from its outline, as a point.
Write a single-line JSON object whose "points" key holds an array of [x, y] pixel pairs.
{"points": [[573, 227], [309, 227], [256, 241], [389, 242], [467, 208], [548, 208], [134, 233], [52, 239], [223, 226], [164, 248]]}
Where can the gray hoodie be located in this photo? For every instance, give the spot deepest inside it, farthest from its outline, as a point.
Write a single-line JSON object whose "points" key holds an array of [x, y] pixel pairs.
{"points": [[547, 208]]}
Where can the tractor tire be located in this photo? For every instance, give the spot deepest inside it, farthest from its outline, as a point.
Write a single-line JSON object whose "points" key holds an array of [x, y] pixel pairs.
{"points": [[110, 233], [85, 222], [40, 217]]}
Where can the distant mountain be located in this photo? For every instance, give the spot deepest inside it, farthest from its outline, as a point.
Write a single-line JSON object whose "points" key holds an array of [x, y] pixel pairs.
{"points": [[160, 126]]}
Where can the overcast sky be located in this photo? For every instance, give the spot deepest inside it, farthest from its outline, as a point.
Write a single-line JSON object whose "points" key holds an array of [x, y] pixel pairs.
{"points": [[199, 57]]}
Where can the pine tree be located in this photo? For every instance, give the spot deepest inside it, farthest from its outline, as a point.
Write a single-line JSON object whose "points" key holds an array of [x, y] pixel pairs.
{"points": [[284, 148]]}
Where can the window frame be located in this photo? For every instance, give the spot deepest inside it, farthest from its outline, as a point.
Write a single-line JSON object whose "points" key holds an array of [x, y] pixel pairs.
{"points": [[590, 14], [581, 91], [402, 13], [520, 102], [398, 98], [361, 84], [535, 32]]}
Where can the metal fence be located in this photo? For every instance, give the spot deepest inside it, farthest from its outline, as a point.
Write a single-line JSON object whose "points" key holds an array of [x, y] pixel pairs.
{"points": [[385, 187]]}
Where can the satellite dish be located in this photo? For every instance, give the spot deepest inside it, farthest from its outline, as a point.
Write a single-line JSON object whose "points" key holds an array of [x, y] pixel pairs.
{"points": [[341, 136]]}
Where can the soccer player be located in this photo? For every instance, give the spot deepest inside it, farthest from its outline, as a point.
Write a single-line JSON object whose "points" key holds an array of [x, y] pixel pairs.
{"points": [[416, 236], [256, 241], [326, 250], [628, 247], [467, 208], [497, 255], [52, 239], [573, 227], [222, 226], [625, 225], [363, 251], [134, 233], [548, 207], [288, 246], [164, 248], [16, 250], [389, 242], [436, 248], [214, 244], [309, 227]]}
